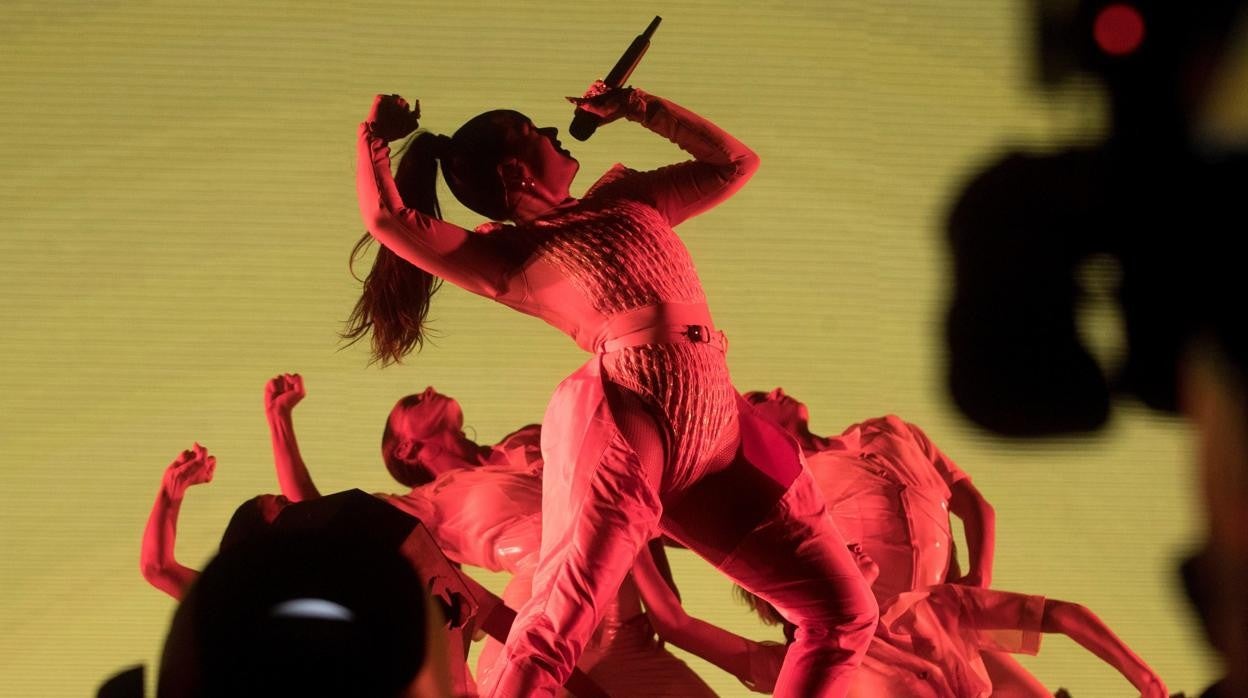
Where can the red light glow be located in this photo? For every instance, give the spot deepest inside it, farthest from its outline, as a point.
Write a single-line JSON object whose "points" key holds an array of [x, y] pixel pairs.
{"points": [[1119, 29]]}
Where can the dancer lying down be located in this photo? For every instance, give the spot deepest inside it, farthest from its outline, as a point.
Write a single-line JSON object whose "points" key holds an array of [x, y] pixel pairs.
{"points": [[892, 491], [927, 644]]}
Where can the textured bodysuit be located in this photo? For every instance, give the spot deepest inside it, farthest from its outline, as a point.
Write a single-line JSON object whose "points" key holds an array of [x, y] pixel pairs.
{"points": [[622, 256]]}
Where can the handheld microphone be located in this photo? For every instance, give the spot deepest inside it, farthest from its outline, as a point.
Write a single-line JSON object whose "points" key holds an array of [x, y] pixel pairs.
{"points": [[585, 123]]}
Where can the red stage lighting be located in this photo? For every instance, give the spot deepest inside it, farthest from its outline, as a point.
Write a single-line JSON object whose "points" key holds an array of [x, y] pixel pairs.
{"points": [[1118, 29]]}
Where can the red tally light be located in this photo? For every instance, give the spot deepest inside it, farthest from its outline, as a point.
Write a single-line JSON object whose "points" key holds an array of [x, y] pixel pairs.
{"points": [[1119, 29]]}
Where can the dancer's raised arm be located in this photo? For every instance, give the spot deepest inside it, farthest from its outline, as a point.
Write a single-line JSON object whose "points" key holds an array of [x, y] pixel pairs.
{"points": [[281, 394], [466, 259], [156, 558], [721, 165]]}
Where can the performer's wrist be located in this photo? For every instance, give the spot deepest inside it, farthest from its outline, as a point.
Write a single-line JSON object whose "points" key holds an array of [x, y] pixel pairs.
{"points": [[172, 493], [638, 104]]}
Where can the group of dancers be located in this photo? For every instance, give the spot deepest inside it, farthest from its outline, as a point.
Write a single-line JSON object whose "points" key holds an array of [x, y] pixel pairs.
{"points": [[845, 541], [889, 489]]}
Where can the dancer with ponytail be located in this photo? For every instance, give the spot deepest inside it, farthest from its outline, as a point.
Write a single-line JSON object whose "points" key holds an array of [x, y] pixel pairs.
{"points": [[649, 435]]}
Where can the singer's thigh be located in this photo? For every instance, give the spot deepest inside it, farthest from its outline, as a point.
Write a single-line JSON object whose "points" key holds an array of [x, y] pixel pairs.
{"points": [[796, 560], [593, 525]]}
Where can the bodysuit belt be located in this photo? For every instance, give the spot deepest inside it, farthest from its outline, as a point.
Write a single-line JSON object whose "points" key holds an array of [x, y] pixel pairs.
{"points": [[661, 324], [668, 334]]}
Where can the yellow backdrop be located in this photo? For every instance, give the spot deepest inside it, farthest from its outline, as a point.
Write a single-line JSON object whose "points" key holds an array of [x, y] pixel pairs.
{"points": [[176, 209]]}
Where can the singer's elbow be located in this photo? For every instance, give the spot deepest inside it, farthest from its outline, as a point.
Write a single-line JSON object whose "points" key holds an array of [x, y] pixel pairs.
{"points": [[747, 163], [740, 166], [375, 215], [386, 225], [739, 171]]}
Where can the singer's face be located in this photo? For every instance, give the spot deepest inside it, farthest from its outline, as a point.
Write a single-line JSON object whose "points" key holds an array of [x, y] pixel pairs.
{"points": [[548, 162]]}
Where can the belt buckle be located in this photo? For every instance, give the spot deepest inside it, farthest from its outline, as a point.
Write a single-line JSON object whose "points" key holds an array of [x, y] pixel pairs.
{"points": [[698, 334]]}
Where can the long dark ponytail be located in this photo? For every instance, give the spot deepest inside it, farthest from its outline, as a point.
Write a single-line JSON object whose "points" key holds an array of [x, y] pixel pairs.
{"points": [[394, 301]]}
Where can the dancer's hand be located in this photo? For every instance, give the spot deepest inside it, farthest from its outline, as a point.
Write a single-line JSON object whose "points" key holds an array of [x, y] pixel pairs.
{"points": [[392, 118], [607, 103], [282, 393], [192, 467]]}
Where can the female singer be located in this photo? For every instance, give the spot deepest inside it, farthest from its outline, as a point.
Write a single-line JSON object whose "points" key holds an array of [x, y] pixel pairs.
{"points": [[649, 434]]}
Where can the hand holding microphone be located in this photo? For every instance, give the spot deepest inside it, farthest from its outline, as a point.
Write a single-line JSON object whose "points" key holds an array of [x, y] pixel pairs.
{"points": [[602, 104]]}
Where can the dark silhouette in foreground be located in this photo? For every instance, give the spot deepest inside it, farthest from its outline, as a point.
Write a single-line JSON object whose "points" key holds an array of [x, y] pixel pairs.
{"points": [[1161, 207]]}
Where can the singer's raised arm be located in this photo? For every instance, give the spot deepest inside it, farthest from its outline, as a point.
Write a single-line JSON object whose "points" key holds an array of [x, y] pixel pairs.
{"points": [[721, 165]]}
